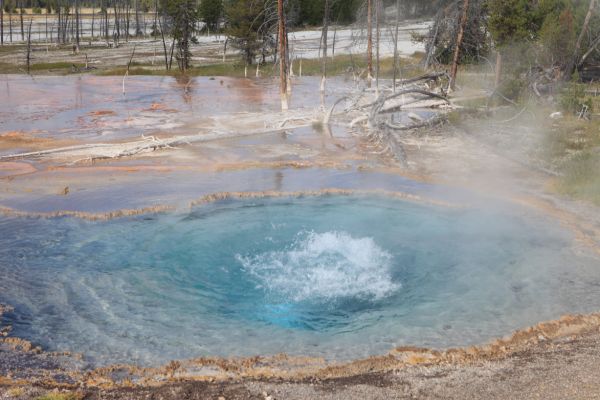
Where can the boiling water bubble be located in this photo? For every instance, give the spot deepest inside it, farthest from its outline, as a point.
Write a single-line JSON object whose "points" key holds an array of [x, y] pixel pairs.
{"points": [[324, 267]]}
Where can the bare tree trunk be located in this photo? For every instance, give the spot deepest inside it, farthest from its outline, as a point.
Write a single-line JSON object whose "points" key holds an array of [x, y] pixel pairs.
{"points": [[593, 47], [459, 40], [498, 68], [396, 44], [333, 43], [574, 60], [117, 28], [369, 39], [288, 62], [10, 25], [127, 19], [1, 23], [164, 45], [155, 17], [324, 36], [65, 26], [282, 57], [77, 24], [28, 60], [58, 27], [93, 20], [138, 30], [171, 53], [106, 22], [377, 38], [21, 18]]}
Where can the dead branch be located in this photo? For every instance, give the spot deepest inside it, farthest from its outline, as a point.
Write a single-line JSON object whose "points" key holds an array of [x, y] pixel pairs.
{"points": [[432, 76], [99, 151], [423, 92], [428, 123]]}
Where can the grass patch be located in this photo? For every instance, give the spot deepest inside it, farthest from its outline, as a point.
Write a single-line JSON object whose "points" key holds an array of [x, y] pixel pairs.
{"points": [[339, 65], [11, 48], [571, 135], [7, 68], [573, 147], [139, 70], [232, 69], [581, 177], [40, 68], [54, 66], [15, 392]]}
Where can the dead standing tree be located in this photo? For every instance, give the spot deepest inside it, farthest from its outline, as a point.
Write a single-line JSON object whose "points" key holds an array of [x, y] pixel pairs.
{"points": [[441, 40], [370, 40], [396, 45], [575, 59], [378, 39], [459, 40], [21, 12], [77, 26], [324, 43], [283, 71], [10, 24], [1, 22], [28, 53]]}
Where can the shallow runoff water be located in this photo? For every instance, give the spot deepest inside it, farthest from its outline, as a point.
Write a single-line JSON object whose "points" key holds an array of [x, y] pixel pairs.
{"points": [[334, 276]]}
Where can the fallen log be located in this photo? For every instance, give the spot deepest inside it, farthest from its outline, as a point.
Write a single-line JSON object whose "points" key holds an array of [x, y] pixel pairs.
{"points": [[98, 151]]}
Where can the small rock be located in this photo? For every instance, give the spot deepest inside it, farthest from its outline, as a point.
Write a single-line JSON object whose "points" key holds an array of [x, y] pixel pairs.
{"points": [[556, 115], [415, 117]]}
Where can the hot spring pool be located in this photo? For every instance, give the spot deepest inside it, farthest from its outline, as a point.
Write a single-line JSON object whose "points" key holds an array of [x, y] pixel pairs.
{"points": [[334, 276]]}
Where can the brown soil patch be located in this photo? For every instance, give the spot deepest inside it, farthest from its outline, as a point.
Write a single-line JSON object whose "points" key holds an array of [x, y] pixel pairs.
{"points": [[100, 113], [8, 169], [161, 107], [24, 140]]}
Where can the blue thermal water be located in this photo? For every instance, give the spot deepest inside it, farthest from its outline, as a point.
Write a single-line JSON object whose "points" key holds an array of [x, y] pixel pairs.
{"points": [[339, 277]]}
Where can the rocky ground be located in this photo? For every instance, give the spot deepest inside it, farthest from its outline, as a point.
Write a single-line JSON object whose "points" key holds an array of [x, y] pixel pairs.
{"points": [[554, 369]]}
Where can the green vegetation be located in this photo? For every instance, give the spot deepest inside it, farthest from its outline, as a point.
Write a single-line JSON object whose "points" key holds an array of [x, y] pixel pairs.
{"points": [[581, 179], [311, 11], [573, 99], [54, 66], [572, 147], [210, 12], [51, 67], [339, 65], [247, 27], [60, 396], [184, 16]]}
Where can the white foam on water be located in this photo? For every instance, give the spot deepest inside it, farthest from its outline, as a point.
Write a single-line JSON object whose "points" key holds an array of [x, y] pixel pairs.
{"points": [[324, 266]]}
